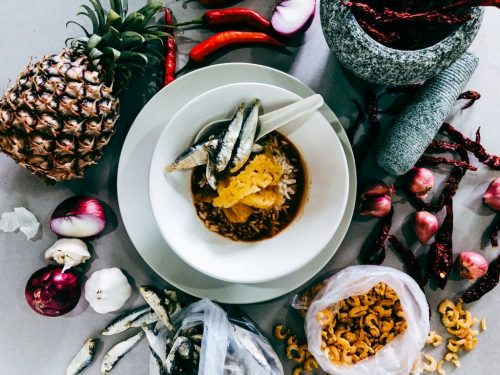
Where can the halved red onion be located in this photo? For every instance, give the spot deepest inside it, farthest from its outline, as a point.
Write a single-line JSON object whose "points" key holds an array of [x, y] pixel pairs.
{"points": [[50, 292], [291, 17], [79, 217]]}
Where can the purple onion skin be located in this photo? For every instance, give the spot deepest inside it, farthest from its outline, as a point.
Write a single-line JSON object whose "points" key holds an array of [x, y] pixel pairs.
{"points": [[49, 292], [302, 29]]}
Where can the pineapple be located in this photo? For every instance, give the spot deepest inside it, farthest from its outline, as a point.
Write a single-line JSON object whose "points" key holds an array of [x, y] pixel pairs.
{"points": [[62, 110]]}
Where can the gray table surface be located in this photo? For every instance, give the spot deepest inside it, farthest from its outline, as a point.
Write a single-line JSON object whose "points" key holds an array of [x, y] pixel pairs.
{"points": [[32, 344]]}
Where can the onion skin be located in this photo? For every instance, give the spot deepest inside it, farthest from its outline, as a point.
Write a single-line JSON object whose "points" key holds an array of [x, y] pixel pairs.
{"points": [[78, 217], [471, 265], [302, 28], [50, 292]]}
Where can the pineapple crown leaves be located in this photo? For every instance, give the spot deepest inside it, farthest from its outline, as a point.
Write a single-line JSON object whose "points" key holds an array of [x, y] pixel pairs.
{"points": [[120, 45]]}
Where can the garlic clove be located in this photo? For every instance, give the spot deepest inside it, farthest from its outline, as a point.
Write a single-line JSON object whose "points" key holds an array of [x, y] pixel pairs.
{"points": [[471, 265], [425, 226], [68, 251], [376, 206], [107, 290], [492, 195], [420, 181]]}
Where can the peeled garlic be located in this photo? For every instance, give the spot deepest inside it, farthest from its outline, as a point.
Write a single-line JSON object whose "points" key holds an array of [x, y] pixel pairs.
{"points": [[68, 251], [107, 290]]}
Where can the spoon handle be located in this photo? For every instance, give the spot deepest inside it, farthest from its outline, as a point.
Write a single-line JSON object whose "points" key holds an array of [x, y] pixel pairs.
{"points": [[273, 120]]}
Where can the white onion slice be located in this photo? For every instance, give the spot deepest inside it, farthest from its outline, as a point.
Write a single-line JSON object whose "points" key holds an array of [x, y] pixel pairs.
{"points": [[20, 219], [291, 17]]}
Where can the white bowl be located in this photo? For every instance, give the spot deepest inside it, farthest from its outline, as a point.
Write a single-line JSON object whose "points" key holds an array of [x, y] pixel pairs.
{"points": [[249, 262]]}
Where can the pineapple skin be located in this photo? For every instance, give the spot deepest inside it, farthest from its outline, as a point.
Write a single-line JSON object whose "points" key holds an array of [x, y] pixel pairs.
{"points": [[58, 117]]}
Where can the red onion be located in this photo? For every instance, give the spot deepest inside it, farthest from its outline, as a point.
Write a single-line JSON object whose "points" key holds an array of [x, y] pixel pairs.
{"points": [[376, 199], [78, 217], [425, 226], [492, 195], [291, 17], [50, 292]]}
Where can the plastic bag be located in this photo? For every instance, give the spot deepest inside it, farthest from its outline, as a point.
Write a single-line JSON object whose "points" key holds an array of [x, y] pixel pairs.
{"points": [[397, 357], [229, 346]]}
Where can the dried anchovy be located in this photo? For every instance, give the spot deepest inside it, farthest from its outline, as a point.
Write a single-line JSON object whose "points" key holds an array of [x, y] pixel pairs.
{"points": [[486, 284], [475, 147], [371, 108], [351, 132], [436, 160], [390, 16], [472, 95], [440, 257], [386, 39], [494, 234], [404, 89], [409, 259], [450, 188], [377, 247]]}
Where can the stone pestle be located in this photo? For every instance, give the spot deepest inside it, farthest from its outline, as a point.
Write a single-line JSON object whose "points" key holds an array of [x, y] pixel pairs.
{"points": [[419, 122]]}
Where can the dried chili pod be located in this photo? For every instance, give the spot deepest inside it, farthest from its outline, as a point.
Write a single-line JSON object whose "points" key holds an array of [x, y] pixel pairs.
{"points": [[377, 247], [371, 108], [351, 132], [404, 89], [440, 257], [440, 146], [472, 95], [475, 147], [410, 260], [437, 160], [385, 39], [494, 233], [485, 284]]}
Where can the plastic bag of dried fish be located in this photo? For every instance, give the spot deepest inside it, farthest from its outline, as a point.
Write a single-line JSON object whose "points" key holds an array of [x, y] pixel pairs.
{"points": [[206, 342]]}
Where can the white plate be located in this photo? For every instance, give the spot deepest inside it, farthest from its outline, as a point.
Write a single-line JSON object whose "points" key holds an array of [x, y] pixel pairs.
{"points": [[260, 261], [133, 186]]}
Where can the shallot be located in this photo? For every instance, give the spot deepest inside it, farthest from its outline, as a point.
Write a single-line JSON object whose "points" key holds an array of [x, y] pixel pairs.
{"points": [[78, 216], [292, 17], [420, 181], [425, 226], [376, 199], [68, 251], [50, 292], [492, 195], [107, 290], [471, 265]]}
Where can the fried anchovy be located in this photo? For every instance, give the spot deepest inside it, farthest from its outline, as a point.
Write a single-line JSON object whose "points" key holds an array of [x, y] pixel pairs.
{"points": [[243, 146], [147, 318], [211, 171], [83, 358], [156, 304], [229, 139], [169, 362], [158, 361], [118, 351], [124, 321]]}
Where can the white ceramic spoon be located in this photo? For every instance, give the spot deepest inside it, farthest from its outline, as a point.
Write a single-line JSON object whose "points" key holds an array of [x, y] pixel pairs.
{"points": [[272, 120]]}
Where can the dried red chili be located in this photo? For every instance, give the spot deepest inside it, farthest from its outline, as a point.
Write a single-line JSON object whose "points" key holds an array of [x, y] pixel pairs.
{"points": [[440, 257], [437, 146], [170, 55], [371, 108], [475, 147], [451, 186], [472, 95], [494, 233], [376, 252], [404, 89], [436, 160], [390, 16], [409, 259], [485, 284], [470, 3], [205, 49], [386, 39], [351, 132], [233, 17]]}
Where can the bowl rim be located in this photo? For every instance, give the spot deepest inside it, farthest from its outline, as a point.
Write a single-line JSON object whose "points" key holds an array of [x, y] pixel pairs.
{"points": [[296, 219]]}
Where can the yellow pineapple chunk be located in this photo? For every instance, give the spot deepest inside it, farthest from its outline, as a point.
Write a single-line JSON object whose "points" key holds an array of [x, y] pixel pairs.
{"points": [[258, 174], [264, 199], [238, 213]]}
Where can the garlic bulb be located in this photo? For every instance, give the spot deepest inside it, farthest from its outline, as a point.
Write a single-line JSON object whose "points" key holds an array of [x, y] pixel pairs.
{"points": [[68, 251], [107, 290]]}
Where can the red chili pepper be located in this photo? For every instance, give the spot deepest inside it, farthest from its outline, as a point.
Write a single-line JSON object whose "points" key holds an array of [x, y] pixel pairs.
{"points": [[494, 233], [386, 39], [351, 132], [441, 146], [472, 95], [170, 55], [214, 2], [371, 108], [204, 50], [486, 284], [377, 247], [471, 3], [436, 160], [233, 17], [410, 260]]}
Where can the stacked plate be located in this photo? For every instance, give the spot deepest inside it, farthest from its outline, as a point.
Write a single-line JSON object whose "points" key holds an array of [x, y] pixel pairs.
{"points": [[161, 220]]}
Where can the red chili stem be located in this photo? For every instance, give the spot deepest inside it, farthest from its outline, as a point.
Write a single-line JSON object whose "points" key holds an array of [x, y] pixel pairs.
{"points": [[170, 53], [371, 108], [390, 16], [440, 257], [437, 160], [472, 95], [409, 259], [476, 148], [351, 132], [233, 17], [486, 284], [205, 49], [494, 233], [376, 252]]}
